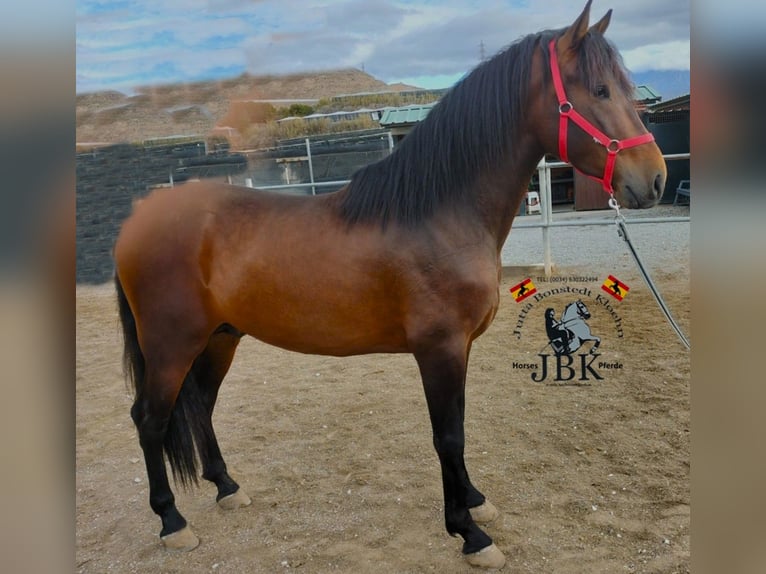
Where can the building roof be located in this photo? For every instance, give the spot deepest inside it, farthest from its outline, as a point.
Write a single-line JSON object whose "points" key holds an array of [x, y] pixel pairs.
{"points": [[377, 112], [405, 115], [646, 94], [679, 104]]}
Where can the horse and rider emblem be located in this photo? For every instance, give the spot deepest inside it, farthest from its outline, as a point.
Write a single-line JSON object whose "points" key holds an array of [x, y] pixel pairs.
{"points": [[568, 335]]}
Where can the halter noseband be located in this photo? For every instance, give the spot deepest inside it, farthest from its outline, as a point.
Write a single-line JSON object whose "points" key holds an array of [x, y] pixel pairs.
{"points": [[567, 112]]}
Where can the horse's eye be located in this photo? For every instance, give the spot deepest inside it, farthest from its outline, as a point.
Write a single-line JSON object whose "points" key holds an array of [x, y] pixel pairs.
{"points": [[602, 92]]}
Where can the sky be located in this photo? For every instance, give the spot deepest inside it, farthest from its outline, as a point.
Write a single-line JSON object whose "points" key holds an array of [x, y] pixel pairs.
{"points": [[123, 44]]}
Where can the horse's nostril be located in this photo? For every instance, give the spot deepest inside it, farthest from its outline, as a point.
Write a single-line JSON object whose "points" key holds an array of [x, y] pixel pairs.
{"points": [[659, 185]]}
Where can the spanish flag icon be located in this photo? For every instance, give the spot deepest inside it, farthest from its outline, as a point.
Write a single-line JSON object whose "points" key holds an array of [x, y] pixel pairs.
{"points": [[615, 287], [523, 290]]}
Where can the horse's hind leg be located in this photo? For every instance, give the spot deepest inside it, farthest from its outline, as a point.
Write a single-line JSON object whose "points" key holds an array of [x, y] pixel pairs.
{"points": [[443, 372], [157, 366], [153, 414], [209, 369]]}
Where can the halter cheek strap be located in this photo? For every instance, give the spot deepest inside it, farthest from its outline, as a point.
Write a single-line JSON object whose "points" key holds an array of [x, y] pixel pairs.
{"points": [[567, 112]]}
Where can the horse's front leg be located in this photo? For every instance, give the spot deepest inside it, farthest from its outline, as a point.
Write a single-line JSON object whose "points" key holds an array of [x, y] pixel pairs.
{"points": [[443, 370], [594, 348]]}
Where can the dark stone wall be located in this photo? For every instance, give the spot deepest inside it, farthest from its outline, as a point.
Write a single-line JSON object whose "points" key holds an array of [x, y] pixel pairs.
{"points": [[109, 179]]}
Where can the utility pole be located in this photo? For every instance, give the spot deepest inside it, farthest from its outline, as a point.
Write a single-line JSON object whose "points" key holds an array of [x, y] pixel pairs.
{"points": [[482, 53]]}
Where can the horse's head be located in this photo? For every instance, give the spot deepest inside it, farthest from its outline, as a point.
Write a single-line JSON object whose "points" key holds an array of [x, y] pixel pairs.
{"points": [[590, 119], [582, 310]]}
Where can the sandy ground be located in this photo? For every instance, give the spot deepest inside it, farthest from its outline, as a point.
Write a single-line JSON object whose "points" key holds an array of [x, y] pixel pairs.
{"points": [[589, 476]]}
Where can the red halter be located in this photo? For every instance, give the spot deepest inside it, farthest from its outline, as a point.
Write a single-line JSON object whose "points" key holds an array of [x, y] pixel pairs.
{"points": [[567, 111]]}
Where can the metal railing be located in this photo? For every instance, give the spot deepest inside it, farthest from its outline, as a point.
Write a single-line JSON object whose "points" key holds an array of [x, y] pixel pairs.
{"points": [[546, 205], [309, 159]]}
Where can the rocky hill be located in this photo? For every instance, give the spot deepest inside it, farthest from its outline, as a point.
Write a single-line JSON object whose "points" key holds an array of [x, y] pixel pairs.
{"points": [[197, 108]]}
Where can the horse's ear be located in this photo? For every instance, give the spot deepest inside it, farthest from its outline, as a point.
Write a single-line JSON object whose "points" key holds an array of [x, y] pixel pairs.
{"points": [[602, 24], [571, 39]]}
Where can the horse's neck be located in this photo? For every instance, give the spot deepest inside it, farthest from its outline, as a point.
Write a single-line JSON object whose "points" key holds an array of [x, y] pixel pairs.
{"points": [[500, 192]]}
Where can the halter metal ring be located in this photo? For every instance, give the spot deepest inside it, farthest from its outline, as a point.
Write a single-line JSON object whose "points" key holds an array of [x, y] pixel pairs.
{"points": [[614, 146], [565, 107]]}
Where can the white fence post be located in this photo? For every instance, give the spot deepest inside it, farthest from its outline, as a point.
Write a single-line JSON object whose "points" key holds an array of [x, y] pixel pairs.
{"points": [[311, 167], [546, 212]]}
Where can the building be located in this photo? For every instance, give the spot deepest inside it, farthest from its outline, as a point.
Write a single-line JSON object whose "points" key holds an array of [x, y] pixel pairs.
{"points": [[669, 121]]}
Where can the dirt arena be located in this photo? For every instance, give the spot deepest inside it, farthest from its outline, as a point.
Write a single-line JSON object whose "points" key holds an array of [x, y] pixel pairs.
{"points": [[590, 476]]}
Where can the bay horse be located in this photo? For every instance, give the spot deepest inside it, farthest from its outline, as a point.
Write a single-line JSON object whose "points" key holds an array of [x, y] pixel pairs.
{"points": [[404, 259]]}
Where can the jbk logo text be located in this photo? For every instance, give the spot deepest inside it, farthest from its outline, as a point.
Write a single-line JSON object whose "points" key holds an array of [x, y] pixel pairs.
{"points": [[569, 368]]}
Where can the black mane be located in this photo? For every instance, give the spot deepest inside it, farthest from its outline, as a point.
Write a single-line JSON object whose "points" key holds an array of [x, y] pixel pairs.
{"points": [[467, 132]]}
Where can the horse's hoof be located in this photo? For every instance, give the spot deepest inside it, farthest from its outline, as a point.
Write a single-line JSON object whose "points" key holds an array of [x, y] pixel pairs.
{"points": [[484, 513], [489, 557], [183, 540], [236, 500]]}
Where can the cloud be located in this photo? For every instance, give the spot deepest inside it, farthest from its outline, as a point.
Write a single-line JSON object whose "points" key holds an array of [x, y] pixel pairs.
{"points": [[392, 39], [287, 53], [674, 55]]}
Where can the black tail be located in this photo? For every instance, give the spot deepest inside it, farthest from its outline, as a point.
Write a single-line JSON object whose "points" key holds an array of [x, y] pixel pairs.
{"points": [[133, 365], [189, 428]]}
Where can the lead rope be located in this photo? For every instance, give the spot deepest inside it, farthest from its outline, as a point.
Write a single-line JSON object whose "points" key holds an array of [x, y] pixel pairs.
{"points": [[622, 231]]}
